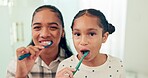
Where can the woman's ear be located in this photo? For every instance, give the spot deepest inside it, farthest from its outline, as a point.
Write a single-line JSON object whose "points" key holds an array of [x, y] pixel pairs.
{"points": [[105, 36], [63, 33]]}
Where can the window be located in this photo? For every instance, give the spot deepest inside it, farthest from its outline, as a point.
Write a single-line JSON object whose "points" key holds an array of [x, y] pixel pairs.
{"points": [[5, 2]]}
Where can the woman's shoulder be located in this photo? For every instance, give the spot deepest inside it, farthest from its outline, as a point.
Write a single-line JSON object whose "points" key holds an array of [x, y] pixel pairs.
{"points": [[12, 62], [11, 68]]}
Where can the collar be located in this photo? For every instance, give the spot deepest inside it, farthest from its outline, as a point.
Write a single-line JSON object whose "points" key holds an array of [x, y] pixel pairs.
{"points": [[61, 56]]}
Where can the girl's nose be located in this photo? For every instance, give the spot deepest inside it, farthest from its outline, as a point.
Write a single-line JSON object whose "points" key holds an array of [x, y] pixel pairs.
{"points": [[84, 41]]}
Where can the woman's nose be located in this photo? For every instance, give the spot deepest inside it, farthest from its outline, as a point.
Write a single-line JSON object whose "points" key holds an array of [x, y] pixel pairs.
{"points": [[45, 33]]}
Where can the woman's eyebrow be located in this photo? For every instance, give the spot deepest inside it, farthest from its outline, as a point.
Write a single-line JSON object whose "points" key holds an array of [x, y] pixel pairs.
{"points": [[36, 23], [53, 23]]}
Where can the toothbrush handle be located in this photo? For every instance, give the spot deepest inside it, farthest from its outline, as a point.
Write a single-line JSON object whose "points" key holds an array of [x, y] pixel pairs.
{"points": [[28, 54], [78, 65], [24, 56]]}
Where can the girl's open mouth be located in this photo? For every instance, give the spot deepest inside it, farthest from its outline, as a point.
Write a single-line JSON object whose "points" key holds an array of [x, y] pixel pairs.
{"points": [[83, 51]]}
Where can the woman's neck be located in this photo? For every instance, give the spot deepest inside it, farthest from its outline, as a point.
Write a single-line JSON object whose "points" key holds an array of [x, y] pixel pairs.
{"points": [[49, 55]]}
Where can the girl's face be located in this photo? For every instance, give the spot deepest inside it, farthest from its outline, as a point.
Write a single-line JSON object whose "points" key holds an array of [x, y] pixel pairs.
{"points": [[87, 35], [46, 26]]}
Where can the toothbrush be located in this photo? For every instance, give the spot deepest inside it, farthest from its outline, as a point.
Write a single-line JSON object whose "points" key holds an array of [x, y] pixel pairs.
{"points": [[28, 54], [78, 65]]}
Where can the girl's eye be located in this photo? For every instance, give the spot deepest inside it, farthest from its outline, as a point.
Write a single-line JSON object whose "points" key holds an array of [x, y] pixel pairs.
{"points": [[77, 34], [92, 34]]}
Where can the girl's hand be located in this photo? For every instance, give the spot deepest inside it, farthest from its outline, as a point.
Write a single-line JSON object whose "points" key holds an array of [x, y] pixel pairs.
{"points": [[65, 73]]}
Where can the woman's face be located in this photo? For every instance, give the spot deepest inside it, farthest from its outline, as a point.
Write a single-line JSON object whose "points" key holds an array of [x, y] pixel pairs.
{"points": [[87, 35], [46, 26]]}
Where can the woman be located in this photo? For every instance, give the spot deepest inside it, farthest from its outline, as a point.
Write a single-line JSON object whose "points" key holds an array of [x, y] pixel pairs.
{"points": [[89, 30], [47, 26]]}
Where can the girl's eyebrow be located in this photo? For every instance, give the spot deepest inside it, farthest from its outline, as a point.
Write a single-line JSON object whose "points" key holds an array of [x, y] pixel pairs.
{"points": [[92, 29], [76, 29], [87, 29]]}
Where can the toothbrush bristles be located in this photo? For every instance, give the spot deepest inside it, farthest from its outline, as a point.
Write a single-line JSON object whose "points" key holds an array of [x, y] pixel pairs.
{"points": [[49, 44]]}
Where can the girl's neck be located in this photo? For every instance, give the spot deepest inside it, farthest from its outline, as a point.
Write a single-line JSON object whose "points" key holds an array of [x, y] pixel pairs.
{"points": [[99, 60]]}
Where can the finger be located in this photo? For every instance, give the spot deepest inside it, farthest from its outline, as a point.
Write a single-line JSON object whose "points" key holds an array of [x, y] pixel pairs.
{"points": [[31, 51], [68, 72], [34, 51], [20, 51], [39, 47], [37, 50]]}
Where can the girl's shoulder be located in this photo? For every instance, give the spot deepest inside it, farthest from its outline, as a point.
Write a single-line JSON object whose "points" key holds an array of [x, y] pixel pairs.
{"points": [[112, 60], [68, 60]]}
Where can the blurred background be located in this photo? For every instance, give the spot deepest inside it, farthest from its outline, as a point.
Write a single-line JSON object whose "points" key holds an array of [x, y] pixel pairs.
{"points": [[127, 43]]}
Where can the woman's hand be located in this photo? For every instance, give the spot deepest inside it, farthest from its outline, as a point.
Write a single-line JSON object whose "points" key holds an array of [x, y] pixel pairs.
{"points": [[25, 65], [65, 73]]}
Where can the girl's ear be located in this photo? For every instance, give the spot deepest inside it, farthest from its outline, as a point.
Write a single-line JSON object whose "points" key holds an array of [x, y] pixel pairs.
{"points": [[105, 36]]}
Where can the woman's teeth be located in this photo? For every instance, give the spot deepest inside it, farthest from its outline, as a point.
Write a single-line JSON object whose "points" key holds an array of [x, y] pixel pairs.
{"points": [[45, 42]]}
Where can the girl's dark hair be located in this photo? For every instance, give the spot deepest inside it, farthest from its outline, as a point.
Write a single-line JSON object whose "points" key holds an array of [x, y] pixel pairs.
{"points": [[107, 27], [63, 42]]}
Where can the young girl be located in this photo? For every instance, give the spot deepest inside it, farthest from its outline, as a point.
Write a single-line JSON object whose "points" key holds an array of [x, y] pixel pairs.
{"points": [[89, 30]]}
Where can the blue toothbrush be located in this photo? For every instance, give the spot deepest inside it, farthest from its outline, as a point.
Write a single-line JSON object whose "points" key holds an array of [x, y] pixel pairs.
{"points": [[78, 65], [28, 54]]}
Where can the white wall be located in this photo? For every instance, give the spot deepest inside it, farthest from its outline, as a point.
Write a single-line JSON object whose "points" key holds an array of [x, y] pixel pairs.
{"points": [[5, 48], [136, 38], [21, 12]]}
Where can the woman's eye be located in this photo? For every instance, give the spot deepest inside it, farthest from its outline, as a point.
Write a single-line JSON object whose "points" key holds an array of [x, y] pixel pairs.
{"points": [[37, 28], [53, 28]]}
